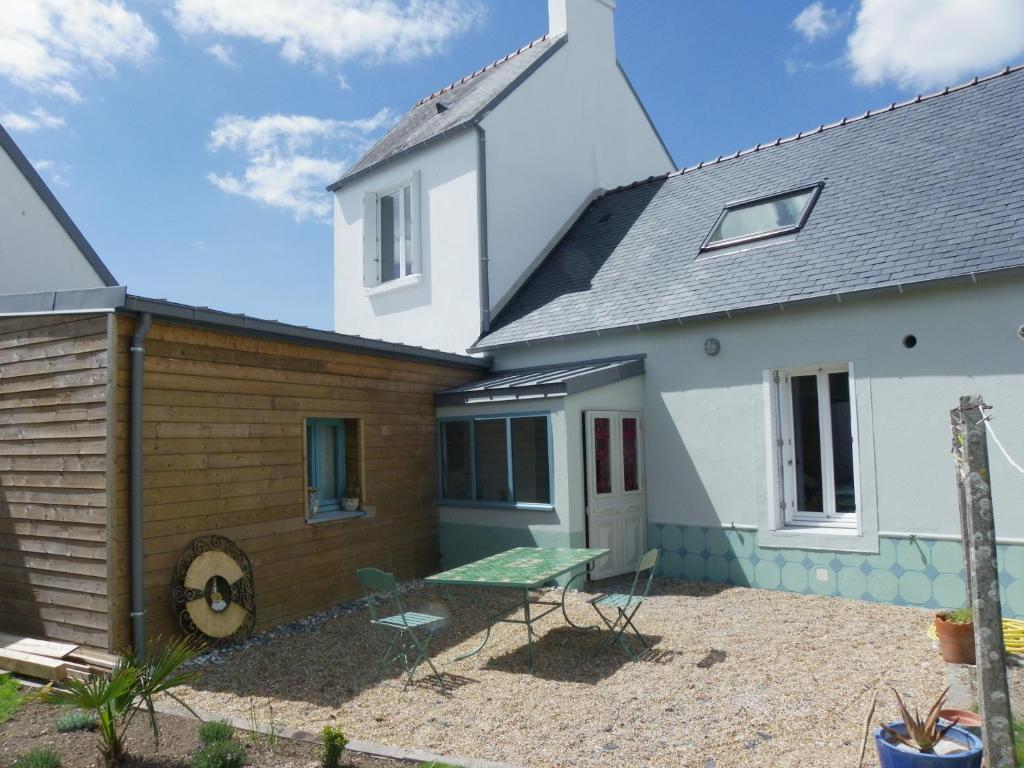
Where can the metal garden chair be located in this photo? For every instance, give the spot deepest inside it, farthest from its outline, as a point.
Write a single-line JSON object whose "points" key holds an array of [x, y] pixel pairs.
{"points": [[626, 605], [407, 648]]}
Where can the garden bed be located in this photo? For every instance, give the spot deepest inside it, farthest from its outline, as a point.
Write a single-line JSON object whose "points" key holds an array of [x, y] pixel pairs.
{"points": [[32, 726], [737, 677]]}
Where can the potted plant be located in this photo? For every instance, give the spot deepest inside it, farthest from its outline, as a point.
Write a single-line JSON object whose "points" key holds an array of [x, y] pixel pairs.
{"points": [[350, 501], [916, 742], [955, 630]]}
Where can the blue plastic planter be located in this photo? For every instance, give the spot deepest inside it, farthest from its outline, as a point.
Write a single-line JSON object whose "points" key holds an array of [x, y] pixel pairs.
{"points": [[891, 756]]}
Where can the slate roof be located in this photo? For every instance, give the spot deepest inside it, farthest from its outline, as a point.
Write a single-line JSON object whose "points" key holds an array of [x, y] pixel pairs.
{"points": [[921, 191], [543, 381], [461, 103]]}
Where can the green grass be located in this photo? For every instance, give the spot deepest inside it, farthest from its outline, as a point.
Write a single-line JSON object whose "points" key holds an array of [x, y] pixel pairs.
{"points": [[40, 757], [220, 754], [215, 731], [1018, 741], [10, 699]]}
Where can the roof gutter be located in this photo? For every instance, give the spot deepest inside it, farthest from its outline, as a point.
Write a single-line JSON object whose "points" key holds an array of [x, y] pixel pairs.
{"points": [[481, 206]]}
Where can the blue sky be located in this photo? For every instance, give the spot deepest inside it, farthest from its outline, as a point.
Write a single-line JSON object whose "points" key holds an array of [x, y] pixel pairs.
{"points": [[191, 140]]}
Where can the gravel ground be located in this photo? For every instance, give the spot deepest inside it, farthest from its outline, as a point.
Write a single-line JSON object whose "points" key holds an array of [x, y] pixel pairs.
{"points": [[737, 677]]}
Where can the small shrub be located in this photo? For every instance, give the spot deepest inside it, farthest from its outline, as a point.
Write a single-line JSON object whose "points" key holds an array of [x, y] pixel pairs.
{"points": [[334, 745], [10, 699], [220, 754], [40, 757], [959, 616], [76, 721], [215, 731]]}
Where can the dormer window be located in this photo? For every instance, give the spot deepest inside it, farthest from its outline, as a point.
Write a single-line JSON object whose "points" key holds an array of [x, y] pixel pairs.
{"points": [[764, 217], [391, 234]]}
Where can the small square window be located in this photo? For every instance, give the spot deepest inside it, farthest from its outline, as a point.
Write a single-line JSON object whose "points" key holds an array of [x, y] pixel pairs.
{"points": [[764, 217], [332, 467]]}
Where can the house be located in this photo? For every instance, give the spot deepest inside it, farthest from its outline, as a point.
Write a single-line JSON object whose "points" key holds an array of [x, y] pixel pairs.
{"points": [[138, 434], [749, 363], [437, 225]]}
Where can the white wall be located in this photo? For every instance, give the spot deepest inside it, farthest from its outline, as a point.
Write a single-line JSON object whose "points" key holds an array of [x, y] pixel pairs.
{"points": [[36, 254], [705, 418], [443, 310], [572, 127]]}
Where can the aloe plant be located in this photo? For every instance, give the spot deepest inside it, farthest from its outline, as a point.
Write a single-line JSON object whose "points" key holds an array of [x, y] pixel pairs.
{"points": [[116, 697], [922, 734]]}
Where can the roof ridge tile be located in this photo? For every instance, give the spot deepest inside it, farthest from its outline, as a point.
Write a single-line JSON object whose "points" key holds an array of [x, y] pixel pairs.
{"points": [[949, 89], [477, 73]]}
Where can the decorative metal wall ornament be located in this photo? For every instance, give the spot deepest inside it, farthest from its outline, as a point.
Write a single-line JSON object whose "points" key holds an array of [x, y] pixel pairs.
{"points": [[213, 592]]}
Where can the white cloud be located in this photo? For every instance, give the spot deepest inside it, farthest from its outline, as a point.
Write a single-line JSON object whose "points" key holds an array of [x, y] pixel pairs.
{"points": [[307, 30], [33, 121], [816, 21], [929, 43], [283, 168], [223, 53], [47, 45], [55, 174]]}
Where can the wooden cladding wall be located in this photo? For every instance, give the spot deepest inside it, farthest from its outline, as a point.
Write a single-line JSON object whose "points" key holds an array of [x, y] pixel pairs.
{"points": [[224, 454], [54, 386]]}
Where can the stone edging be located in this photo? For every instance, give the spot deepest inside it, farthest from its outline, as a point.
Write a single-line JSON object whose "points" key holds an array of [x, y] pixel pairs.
{"points": [[364, 747]]}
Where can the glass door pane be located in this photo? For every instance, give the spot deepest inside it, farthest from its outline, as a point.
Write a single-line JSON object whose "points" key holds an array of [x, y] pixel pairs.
{"points": [[807, 444], [602, 455], [842, 441], [630, 454]]}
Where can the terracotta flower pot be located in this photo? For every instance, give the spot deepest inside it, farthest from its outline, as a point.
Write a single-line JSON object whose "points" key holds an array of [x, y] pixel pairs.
{"points": [[956, 641]]}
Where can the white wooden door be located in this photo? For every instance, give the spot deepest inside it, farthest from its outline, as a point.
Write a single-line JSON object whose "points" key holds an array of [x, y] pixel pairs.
{"points": [[616, 508]]}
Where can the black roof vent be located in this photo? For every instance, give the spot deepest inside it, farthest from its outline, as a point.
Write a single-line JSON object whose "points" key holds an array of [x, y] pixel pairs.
{"points": [[441, 107]]}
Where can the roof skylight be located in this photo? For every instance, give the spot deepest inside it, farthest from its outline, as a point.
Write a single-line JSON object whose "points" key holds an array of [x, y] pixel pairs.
{"points": [[763, 217]]}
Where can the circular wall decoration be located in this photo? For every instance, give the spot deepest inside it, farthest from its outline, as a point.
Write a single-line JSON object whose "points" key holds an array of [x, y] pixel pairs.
{"points": [[213, 592]]}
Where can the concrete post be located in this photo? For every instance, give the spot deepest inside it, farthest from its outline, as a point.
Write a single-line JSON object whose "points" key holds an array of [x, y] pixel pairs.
{"points": [[970, 450]]}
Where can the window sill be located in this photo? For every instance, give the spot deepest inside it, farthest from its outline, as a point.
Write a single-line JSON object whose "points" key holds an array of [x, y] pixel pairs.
{"points": [[394, 285], [330, 517]]}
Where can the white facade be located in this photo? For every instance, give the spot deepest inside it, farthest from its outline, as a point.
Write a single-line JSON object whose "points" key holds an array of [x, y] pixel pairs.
{"points": [[571, 127], [707, 417], [36, 251], [439, 308]]}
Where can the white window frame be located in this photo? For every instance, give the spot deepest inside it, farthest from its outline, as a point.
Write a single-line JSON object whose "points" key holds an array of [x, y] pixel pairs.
{"points": [[409, 264], [397, 194], [783, 459]]}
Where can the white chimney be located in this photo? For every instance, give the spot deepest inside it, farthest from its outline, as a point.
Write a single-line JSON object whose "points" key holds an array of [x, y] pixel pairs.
{"points": [[590, 22]]}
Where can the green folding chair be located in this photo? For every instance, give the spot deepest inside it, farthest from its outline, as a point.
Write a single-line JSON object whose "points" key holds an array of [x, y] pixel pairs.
{"points": [[626, 606], [407, 648]]}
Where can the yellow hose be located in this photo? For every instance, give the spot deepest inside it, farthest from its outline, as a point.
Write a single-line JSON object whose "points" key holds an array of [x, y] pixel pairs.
{"points": [[1013, 635]]}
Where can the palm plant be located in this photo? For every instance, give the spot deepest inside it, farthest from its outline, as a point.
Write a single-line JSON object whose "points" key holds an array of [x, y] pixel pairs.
{"points": [[922, 733], [116, 697]]}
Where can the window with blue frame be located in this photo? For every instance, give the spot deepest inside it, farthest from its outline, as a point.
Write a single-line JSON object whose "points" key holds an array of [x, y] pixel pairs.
{"points": [[329, 477], [496, 460]]}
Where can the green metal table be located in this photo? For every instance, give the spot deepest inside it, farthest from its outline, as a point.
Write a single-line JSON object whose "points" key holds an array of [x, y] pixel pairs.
{"points": [[522, 569]]}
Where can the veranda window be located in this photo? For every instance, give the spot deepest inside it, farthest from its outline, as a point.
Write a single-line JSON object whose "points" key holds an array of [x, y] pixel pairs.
{"points": [[496, 461]]}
